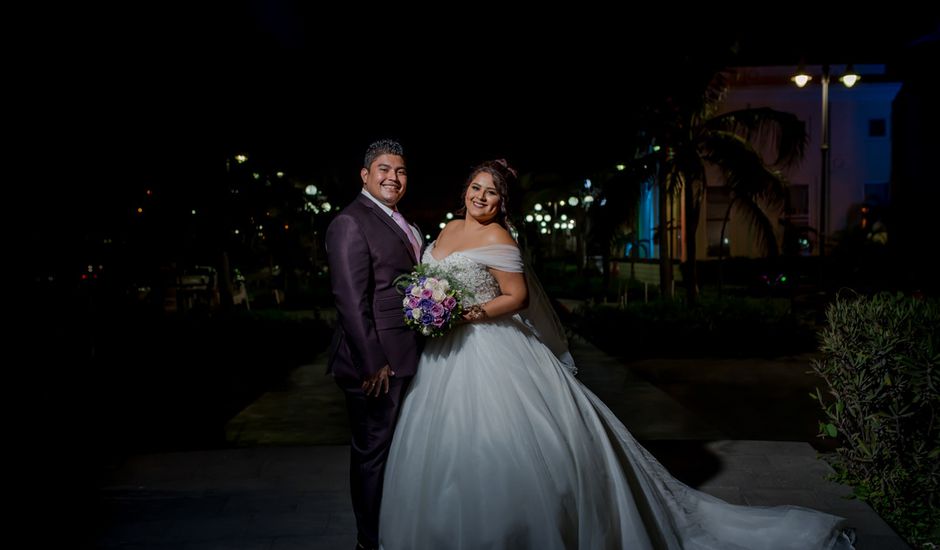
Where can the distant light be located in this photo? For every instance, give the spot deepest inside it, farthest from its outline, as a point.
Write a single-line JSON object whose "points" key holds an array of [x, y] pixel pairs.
{"points": [[543, 231], [537, 207], [564, 217], [427, 237], [548, 218], [193, 211], [286, 227], [603, 202], [544, 224], [326, 206], [256, 175], [442, 225], [149, 192], [726, 240], [280, 174], [91, 268], [849, 79], [573, 201], [621, 167], [539, 217], [588, 199], [237, 232], [656, 148], [529, 217], [140, 210], [310, 190], [801, 79], [241, 159], [556, 225], [587, 184], [449, 215]]}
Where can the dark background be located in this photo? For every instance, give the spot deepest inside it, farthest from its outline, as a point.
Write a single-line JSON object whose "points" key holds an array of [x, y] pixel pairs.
{"points": [[116, 98], [107, 102]]}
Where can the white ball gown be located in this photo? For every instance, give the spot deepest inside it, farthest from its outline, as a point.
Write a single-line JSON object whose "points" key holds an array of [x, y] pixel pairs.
{"points": [[499, 446]]}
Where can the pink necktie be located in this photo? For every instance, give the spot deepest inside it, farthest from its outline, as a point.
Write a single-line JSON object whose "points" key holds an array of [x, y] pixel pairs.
{"points": [[400, 220]]}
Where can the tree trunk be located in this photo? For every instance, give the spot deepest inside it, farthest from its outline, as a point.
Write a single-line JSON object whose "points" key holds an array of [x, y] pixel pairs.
{"points": [[665, 255], [693, 205], [607, 275]]}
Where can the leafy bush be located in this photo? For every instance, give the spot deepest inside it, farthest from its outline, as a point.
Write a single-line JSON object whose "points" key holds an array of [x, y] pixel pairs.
{"points": [[880, 360]]}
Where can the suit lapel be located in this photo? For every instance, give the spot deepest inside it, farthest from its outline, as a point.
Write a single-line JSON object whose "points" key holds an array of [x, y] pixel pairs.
{"points": [[388, 221]]}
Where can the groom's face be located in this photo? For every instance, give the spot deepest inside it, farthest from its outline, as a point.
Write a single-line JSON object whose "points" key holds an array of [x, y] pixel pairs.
{"points": [[386, 179]]}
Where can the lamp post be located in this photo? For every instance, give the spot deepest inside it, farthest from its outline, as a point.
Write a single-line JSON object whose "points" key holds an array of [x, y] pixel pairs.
{"points": [[824, 156], [849, 78]]}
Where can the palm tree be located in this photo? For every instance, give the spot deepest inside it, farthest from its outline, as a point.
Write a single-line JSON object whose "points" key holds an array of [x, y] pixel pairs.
{"points": [[620, 190], [693, 136]]}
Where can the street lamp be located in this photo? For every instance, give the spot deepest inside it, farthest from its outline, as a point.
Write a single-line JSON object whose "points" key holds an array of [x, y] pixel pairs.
{"points": [[849, 78]]}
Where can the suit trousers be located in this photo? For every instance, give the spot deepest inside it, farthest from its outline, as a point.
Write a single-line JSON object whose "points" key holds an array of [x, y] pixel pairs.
{"points": [[372, 422]]}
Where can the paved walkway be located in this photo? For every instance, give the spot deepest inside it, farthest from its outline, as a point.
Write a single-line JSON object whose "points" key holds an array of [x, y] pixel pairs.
{"points": [[284, 484]]}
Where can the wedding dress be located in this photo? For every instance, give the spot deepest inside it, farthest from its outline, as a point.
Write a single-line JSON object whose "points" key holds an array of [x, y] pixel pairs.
{"points": [[499, 446]]}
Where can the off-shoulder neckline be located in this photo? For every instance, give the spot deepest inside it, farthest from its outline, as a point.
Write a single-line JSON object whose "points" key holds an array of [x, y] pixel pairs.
{"points": [[434, 243]]}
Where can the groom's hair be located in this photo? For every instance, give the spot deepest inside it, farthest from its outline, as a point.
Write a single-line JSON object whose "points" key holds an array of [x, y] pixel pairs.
{"points": [[382, 147]]}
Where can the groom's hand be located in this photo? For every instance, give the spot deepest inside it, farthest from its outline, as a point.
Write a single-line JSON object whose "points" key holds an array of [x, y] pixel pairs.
{"points": [[377, 384]]}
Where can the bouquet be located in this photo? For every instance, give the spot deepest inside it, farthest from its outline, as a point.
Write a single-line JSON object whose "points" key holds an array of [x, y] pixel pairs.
{"points": [[432, 303]]}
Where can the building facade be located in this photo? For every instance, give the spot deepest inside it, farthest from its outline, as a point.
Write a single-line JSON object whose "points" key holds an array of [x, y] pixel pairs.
{"points": [[859, 159]]}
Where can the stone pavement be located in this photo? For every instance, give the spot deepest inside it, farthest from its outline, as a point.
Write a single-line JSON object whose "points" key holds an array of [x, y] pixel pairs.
{"points": [[284, 483]]}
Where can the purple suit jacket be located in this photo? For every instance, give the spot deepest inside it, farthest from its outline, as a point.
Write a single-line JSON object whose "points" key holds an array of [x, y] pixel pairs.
{"points": [[367, 251]]}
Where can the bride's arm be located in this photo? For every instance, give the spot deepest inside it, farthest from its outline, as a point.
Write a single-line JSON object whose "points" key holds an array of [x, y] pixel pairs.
{"points": [[514, 297]]}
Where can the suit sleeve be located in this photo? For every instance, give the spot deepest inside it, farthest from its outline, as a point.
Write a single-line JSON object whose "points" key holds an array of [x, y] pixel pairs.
{"points": [[350, 276]]}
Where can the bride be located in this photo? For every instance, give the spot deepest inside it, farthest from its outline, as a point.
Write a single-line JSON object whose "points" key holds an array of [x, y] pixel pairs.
{"points": [[499, 446]]}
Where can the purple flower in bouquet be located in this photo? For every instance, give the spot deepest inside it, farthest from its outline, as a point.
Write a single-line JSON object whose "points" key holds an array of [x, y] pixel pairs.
{"points": [[431, 304]]}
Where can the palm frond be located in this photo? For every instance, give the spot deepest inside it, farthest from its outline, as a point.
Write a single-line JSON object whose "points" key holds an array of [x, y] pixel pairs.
{"points": [[783, 133], [743, 168], [762, 224]]}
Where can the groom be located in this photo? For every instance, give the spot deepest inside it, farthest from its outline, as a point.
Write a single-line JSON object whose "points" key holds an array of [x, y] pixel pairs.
{"points": [[373, 355]]}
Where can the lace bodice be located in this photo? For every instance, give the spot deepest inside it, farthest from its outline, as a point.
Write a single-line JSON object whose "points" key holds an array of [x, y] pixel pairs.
{"points": [[472, 275]]}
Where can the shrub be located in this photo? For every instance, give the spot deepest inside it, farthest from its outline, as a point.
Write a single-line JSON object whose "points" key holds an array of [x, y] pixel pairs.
{"points": [[879, 360]]}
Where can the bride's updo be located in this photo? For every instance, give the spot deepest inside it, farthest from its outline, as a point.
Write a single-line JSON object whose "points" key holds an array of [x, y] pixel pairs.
{"points": [[503, 176]]}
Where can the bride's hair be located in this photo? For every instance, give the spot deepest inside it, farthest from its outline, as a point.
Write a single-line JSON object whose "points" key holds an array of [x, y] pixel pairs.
{"points": [[503, 176]]}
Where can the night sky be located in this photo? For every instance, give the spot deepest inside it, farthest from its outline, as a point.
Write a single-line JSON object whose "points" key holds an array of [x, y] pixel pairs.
{"points": [[168, 92]]}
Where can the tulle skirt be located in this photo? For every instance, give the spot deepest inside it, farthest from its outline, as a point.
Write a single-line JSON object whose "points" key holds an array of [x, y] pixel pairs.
{"points": [[500, 447]]}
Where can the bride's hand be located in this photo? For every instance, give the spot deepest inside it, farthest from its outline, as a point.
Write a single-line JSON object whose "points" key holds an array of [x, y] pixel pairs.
{"points": [[475, 313]]}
